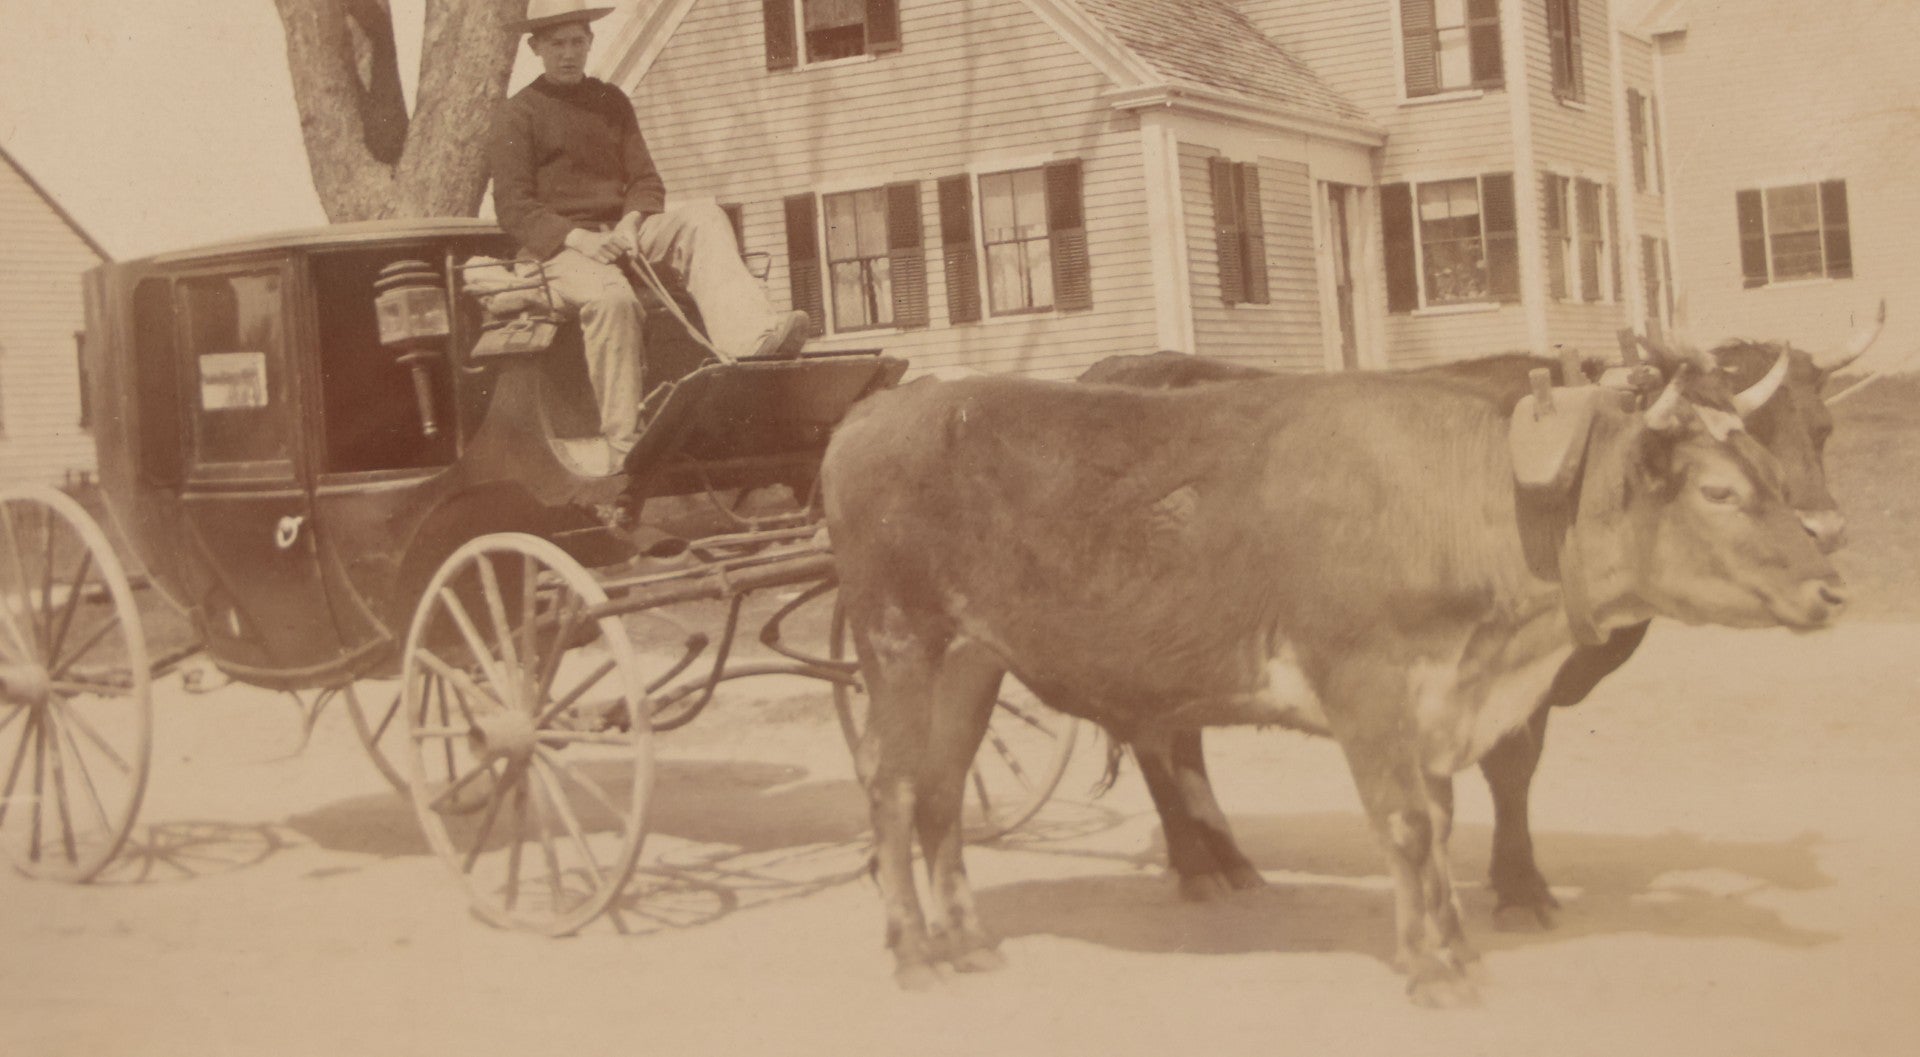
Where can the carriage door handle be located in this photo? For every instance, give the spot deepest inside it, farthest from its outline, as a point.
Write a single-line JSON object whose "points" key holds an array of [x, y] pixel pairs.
{"points": [[288, 531]]}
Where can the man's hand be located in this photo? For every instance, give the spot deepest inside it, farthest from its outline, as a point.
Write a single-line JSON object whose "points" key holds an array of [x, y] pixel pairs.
{"points": [[627, 233], [603, 248]]}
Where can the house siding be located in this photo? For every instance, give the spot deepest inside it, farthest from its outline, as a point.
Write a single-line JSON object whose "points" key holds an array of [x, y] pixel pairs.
{"points": [[1285, 332], [42, 259], [1576, 139], [959, 96], [1753, 96], [1351, 46]]}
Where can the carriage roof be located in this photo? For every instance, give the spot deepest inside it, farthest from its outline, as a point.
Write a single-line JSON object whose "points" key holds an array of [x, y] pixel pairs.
{"points": [[363, 233]]}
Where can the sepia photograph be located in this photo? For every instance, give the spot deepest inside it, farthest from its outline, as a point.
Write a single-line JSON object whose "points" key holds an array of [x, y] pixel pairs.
{"points": [[959, 528]]}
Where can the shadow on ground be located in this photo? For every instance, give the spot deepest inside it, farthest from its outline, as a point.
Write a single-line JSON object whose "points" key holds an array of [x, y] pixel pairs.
{"points": [[1672, 884]]}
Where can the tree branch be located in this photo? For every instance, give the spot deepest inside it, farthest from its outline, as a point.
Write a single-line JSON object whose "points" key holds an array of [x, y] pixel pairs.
{"points": [[466, 58], [352, 182]]}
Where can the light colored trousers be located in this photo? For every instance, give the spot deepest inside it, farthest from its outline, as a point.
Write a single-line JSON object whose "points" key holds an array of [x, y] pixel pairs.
{"points": [[697, 242]]}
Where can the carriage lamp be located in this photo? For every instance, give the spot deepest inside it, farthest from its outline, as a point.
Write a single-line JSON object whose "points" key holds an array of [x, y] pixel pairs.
{"points": [[411, 304]]}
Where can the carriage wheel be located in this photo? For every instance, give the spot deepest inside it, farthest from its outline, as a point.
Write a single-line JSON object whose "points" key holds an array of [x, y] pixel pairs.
{"points": [[76, 712], [375, 712], [1020, 763], [529, 755]]}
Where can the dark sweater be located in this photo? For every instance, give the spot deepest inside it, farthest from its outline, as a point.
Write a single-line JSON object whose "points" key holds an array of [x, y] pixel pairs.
{"points": [[567, 156]]}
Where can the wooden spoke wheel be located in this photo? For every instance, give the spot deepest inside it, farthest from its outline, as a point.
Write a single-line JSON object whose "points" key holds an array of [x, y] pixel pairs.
{"points": [[529, 755], [76, 711], [374, 708], [1020, 763]]}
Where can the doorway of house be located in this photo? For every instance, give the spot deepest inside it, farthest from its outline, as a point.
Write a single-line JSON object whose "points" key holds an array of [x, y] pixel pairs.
{"points": [[1339, 198]]}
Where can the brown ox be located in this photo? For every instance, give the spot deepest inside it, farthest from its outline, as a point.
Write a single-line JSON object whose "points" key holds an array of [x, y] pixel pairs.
{"points": [[1776, 388], [1344, 555]]}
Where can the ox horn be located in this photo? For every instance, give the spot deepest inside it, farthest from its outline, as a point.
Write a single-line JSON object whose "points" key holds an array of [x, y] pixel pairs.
{"points": [[1664, 414], [1750, 399], [1862, 341]]}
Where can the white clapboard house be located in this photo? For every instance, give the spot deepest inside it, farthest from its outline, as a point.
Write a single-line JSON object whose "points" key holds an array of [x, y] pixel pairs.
{"points": [[1031, 185], [43, 253]]}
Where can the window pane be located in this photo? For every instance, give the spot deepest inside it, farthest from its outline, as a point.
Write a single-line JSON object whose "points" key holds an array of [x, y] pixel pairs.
{"points": [[241, 410], [1006, 285], [1030, 203], [828, 14], [1040, 273], [843, 237], [1793, 209], [1449, 12], [871, 217], [1456, 270], [996, 207], [1455, 59], [849, 300], [1796, 255], [880, 309], [835, 29]]}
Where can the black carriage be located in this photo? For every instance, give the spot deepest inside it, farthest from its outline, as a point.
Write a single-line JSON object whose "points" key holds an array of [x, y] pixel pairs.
{"points": [[348, 469]]}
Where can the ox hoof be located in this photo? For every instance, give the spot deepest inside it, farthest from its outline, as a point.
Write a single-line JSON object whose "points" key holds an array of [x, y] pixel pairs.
{"points": [[916, 977], [980, 960], [1244, 877], [1523, 917], [1205, 887], [1436, 985]]}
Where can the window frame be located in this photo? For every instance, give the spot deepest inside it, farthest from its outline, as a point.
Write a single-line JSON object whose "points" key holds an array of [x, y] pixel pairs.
{"points": [[829, 287], [1420, 247], [1823, 232], [1572, 60], [784, 31], [1575, 236], [1475, 87], [196, 466], [982, 246]]}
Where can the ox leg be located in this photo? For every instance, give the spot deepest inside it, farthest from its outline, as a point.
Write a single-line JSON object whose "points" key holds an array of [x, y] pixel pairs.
{"points": [[1190, 766], [1443, 901], [1520, 891], [963, 704], [1400, 803], [1187, 848], [892, 751]]}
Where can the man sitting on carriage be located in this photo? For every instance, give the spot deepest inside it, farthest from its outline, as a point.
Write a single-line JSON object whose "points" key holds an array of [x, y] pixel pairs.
{"points": [[574, 185]]}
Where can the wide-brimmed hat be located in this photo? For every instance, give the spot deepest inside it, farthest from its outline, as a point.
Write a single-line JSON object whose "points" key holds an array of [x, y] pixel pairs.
{"points": [[542, 13]]}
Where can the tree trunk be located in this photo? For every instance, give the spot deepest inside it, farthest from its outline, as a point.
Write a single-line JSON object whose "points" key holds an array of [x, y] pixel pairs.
{"points": [[367, 158]]}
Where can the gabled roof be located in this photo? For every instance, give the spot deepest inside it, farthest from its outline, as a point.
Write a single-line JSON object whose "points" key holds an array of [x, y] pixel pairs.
{"points": [[58, 210], [1210, 45]]}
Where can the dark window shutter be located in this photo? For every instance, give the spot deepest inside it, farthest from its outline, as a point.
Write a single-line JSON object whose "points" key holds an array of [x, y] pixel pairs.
{"points": [[1650, 284], [1577, 73], [1226, 231], [1253, 234], [1587, 200], [1416, 30], [907, 255], [1396, 236], [1637, 134], [1483, 43], [1553, 195], [783, 43], [883, 26], [1557, 44], [1613, 242], [1067, 231], [1833, 221], [1666, 276], [1499, 223], [957, 251], [803, 262], [1753, 238]]}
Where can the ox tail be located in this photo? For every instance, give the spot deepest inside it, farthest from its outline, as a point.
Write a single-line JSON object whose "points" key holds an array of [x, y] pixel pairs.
{"points": [[1116, 752]]}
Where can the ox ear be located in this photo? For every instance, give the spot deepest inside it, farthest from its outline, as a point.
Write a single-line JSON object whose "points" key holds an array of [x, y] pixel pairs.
{"points": [[1547, 435]]}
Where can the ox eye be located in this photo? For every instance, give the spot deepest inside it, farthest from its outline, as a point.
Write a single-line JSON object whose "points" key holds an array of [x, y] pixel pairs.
{"points": [[1719, 493]]}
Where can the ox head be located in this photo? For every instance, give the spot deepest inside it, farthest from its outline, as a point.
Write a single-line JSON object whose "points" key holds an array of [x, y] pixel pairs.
{"points": [[1776, 389], [1676, 510]]}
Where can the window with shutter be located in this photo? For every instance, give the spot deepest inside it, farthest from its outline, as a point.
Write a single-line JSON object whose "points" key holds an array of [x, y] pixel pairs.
{"points": [[1448, 45], [906, 248], [876, 264], [814, 31], [1450, 242], [1563, 42], [957, 255], [803, 262], [1794, 232]]}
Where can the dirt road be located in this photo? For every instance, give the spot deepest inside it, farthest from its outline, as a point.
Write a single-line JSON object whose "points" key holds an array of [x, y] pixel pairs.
{"points": [[1732, 823]]}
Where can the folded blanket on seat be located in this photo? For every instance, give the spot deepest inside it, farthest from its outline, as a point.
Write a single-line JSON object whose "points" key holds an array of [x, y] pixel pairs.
{"points": [[505, 288]]}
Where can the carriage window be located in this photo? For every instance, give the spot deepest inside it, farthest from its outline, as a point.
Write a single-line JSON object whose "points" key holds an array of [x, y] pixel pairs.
{"points": [[235, 345]]}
